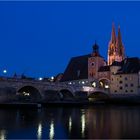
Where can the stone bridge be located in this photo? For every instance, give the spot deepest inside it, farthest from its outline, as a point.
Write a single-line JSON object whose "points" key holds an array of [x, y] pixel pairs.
{"points": [[35, 90]]}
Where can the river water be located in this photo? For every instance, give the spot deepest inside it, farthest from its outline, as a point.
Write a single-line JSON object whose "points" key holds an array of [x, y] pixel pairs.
{"points": [[98, 121]]}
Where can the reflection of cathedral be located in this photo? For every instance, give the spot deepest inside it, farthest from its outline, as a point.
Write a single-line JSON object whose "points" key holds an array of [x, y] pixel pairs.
{"points": [[117, 75]]}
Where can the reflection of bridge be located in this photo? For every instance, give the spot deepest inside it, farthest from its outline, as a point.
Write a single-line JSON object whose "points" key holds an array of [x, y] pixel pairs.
{"points": [[38, 90]]}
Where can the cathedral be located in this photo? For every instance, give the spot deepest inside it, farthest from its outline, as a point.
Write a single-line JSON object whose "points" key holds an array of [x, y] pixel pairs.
{"points": [[116, 75], [116, 47]]}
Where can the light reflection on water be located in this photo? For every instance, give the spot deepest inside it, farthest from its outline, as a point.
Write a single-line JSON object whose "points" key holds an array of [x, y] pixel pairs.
{"points": [[39, 131], [71, 122], [3, 135], [83, 123], [51, 133]]}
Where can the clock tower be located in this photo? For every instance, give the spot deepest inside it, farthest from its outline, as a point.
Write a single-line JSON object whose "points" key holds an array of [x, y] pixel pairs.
{"points": [[95, 61]]}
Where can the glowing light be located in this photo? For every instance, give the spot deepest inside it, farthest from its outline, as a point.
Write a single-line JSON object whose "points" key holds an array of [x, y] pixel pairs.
{"points": [[94, 84], [106, 86], [86, 88], [4, 71], [52, 78], [26, 93], [70, 83], [83, 82], [40, 78], [83, 122], [51, 134], [39, 131], [101, 83], [70, 124]]}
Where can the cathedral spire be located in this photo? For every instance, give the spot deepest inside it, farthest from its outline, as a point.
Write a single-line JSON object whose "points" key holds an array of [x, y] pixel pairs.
{"points": [[113, 34], [116, 48], [120, 46], [119, 37]]}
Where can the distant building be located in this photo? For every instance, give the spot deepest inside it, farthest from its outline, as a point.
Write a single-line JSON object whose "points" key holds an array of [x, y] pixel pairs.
{"points": [[117, 75]]}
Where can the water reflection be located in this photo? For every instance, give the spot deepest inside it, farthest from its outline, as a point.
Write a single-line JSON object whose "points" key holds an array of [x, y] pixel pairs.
{"points": [[51, 134], [3, 135], [83, 123], [70, 124], [39, 131], [93, 122]]}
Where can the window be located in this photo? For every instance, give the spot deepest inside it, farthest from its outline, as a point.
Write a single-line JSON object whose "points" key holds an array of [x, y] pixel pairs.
{"points": [[131, 85], [115, 91], [92, 64], [126, 91], [120, 76], [120, 82], [131, 90], [126, 85], [125, 78], [121, 88]]}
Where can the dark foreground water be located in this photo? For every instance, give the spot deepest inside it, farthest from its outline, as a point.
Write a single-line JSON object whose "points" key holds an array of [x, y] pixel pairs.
{"points": [[71, 122]]}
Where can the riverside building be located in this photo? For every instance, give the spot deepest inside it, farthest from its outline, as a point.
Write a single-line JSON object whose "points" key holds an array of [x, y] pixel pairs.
{"points": [[117, 75]]}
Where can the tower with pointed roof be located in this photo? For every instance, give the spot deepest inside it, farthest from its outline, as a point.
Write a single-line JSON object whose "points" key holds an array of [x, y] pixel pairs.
{"points": [[116, 47], [95, 61]]}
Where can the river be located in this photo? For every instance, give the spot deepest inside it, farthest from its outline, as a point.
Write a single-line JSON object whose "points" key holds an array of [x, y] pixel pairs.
{"points": [[85, 122]]}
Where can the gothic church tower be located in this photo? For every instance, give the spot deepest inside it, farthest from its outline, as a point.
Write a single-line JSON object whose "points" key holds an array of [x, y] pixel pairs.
{"points": [[116, 47]]}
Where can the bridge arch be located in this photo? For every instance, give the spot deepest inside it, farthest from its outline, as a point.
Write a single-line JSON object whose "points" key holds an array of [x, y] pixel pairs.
{"points": [[95, 96], [104, 83], [66, 94], [29, 93]]}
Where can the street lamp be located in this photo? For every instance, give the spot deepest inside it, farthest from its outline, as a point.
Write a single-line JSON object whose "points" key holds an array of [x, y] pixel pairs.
{"points": [[4, 71]]}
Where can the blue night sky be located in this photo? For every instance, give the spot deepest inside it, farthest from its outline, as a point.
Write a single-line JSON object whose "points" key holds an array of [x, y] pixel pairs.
{"points": [[39, 38]]}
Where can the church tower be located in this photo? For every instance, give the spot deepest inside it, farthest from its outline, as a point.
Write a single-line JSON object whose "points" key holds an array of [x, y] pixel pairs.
{"points": [[116, 47]]}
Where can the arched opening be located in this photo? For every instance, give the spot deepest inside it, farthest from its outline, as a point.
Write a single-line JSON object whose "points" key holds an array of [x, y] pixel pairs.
{"points": [[104, 83], [98, 96], [51, 95], [66, 94], [29, 94]]}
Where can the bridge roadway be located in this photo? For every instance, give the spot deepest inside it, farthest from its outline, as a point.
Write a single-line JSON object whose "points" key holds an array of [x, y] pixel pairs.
{"points": [[45, 89]]}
